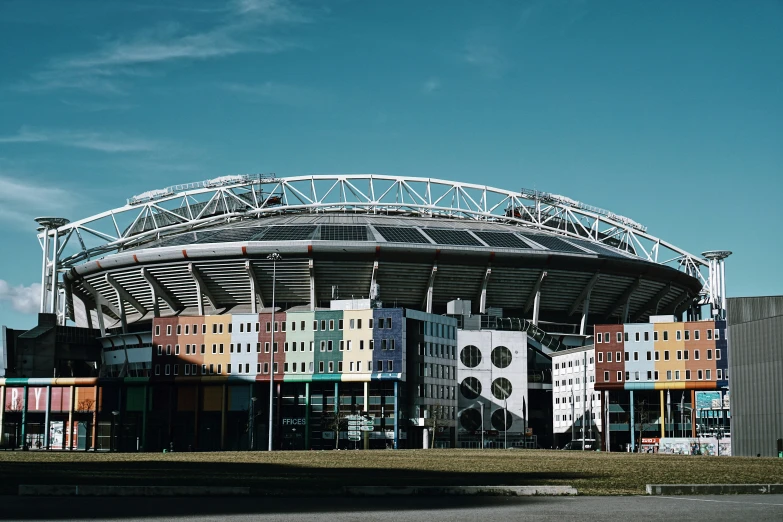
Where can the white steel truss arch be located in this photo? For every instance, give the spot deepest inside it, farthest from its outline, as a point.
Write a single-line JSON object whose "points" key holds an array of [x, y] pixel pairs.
{"points": [[183, 208]]}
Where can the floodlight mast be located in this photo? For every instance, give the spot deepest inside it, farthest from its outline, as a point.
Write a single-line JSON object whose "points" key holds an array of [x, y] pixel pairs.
{"points": [[717, 281], [50, 225]]}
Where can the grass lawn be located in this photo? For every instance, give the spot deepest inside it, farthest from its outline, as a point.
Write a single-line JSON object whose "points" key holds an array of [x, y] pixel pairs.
{"points": [[592, 473]]}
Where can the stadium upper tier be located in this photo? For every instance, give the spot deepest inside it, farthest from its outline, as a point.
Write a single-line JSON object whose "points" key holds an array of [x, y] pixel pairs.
{"points": [[416, 242]]}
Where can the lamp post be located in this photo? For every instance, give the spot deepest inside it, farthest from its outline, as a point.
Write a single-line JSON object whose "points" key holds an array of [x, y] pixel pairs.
{"points": [[505, 423], [481, 413], [274, 257], [251, 423], [113, 442]]}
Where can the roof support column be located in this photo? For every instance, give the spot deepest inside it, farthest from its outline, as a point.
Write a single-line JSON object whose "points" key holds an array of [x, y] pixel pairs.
{"points": [[312, 285], [202, 290], [585, 312], [255, 292], [653, 304], [373, 285], [534, 299], [123, 294], [430, 284], [483, 296], [159, 292]]}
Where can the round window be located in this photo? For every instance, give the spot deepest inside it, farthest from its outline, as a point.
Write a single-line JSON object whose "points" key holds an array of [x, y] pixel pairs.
{"points": [[470, 388], [501, 388], [470, 419], [501, 356], [470, 356], [498, 422]]}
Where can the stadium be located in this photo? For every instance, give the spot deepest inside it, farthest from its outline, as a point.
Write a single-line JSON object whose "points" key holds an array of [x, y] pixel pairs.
{"points": [[177, 296]]}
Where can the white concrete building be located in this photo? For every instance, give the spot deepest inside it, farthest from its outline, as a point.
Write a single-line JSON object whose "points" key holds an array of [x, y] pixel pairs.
{"points": [[574, 397]]}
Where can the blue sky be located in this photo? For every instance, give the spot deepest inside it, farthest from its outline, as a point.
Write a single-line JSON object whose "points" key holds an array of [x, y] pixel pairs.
{"points": [[670, 113]]}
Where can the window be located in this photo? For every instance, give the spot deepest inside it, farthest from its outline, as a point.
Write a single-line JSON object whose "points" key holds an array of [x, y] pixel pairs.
{"points": [[679, 355], [266, 347], [221, 347], [708, 374], [203, 369], [636, 356], [600, 357], [717, 335], [321, 366], [282, 326], [599, 338], [687, 335], [696, 354], [687, 375], [717, 353], [709, 335], [655, 336], [274, 347], [699, 374], [339, 366], [329, 345], [608, 357], [389, 324], [665, 336], [285, 347], [203, 349], [636, 376], [323, 325], [293, 326], [655, 374], [285, 367], [627, 356], [331, 324], [220, 369], [160, 349], [187, 369], [176, 349], [696, 335], [228, 368], [323, 346], [277, 326], [168, 329], [649, 375], [241, 327], [266, 367], [340, 324], [204, 328], [657, 355], [331, 366], [679, 335], [302, 325], [315, 326], [229, 327], [214, 348], [638, 336], [348, 345], [606, 376], [685, 353], [372, 344], [627, 376], [277, 368], [619, 376], [606, 337], [619, 357], [369, 323], [258, 367], [649, 355], [310, 366], [359, 324], [157, 330], [168, 369], [157, 369], [268, 326], [646, 336], [231, 348], [668, 375], [709, 355], [666, 355], [168, 349], [719, 374], [342, 345]]}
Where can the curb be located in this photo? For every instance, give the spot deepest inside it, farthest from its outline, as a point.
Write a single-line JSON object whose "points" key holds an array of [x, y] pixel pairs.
{"points": [[714, 489], [27, 490], [506, 491]]}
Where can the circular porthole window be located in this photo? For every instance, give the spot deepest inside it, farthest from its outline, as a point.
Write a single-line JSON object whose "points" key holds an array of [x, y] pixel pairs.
{"points": [[501, 388], [470, 419], [470, 356], [470, 388], [501, 357]]}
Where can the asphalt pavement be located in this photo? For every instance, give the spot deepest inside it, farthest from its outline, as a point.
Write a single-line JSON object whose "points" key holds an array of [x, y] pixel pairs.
{"points": [[758, 508]]}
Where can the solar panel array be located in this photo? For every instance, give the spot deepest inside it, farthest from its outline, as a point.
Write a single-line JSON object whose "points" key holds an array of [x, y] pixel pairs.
{"points": [[598, 249], [343, 233], [553, 243], [228, 235], [501, 240], [401, 235], [290, 233], [452, 237]]}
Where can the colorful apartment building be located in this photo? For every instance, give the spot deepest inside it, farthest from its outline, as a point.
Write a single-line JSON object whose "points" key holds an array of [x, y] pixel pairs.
{"points": [[649, 369]]}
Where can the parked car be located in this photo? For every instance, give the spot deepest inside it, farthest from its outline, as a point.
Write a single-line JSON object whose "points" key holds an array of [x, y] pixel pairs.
{"points": [[589, 445]]}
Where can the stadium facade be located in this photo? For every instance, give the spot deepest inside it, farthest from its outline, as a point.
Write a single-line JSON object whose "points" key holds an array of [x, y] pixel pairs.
{"points": [[368, 311]]}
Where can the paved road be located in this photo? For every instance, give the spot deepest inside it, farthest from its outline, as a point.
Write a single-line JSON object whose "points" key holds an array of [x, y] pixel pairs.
{"points": [[757, 508]]}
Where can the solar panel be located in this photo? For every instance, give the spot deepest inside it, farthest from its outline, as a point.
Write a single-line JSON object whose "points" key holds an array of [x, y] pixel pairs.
{"points": [[501, 240], [289, 233], [598, 249], [343, 233], [401, 235], [228, 235], [452, 237], [554, 243]]}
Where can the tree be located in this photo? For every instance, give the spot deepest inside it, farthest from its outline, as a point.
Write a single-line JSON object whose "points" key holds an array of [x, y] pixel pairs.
{"points": [[335, 421], [645, 420], [435, 420]]}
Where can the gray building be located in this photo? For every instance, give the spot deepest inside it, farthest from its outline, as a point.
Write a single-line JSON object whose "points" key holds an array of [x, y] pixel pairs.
{"points": [[756, 365]]}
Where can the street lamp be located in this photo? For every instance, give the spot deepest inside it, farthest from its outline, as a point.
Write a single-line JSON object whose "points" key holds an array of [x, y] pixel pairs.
{"points": [[505, 423], [251, 423], [113, 442], [274, 257]]}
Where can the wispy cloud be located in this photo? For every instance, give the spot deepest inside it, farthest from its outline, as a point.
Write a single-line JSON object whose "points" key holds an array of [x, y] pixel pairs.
{"points": [[430, 85], [244, 26], [24, 299], [22, 199], [486, 56], [110, 143], [279, 93]]}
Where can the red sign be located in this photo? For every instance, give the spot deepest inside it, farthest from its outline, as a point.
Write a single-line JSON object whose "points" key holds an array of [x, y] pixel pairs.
{"points": [[650, 440]]}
